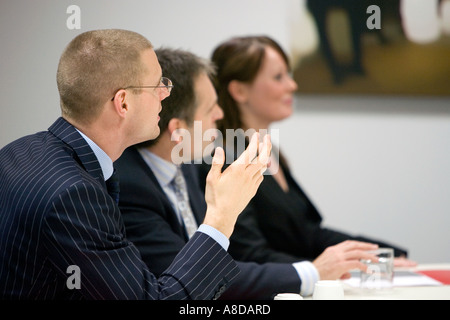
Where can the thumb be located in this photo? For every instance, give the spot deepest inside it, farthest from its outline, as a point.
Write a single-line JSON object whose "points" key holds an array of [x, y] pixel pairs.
{"points": [[217, 163]]}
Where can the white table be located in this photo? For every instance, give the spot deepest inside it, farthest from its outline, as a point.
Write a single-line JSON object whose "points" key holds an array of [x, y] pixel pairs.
{"points": [[441, 292], [401, 293]]}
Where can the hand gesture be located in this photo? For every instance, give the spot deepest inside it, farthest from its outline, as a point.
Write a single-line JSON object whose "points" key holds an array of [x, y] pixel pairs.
{"points": [[227, 193]]}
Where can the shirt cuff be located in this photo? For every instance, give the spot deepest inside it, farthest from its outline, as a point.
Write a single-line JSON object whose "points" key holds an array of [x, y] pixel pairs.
{"points": [[218, 236], [308, 275]]}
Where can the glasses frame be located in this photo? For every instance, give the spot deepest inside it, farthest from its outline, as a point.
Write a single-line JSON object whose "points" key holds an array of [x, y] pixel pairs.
{"points": [[163, 83]]}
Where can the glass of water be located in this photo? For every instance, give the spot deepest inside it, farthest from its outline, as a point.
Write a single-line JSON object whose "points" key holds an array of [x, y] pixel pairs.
{"points": [[379, 274]]}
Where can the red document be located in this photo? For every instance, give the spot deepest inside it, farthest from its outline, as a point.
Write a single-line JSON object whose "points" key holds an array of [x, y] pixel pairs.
{"points": [[442, 276]]}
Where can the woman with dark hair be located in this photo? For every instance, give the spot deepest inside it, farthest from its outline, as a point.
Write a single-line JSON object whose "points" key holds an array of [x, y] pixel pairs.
{"points": [[254, 89]]}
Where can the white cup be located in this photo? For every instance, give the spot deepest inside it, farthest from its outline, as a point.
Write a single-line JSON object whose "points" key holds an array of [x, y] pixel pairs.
{"points": [[328, 290], [288, 296]]}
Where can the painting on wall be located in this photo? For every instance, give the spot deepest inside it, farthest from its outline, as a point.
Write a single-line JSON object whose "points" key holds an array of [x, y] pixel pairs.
{"points": [[394, 47]]}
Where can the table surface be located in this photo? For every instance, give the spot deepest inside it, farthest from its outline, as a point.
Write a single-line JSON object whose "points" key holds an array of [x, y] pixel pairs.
{"points": [[441, 292]]}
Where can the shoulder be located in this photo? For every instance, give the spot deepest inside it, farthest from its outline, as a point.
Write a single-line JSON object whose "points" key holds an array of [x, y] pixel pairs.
{"points": [[39, 167], [37, 161]]}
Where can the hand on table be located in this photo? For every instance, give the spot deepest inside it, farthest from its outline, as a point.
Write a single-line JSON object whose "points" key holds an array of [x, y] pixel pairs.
{"points": [[403, 262], [336, 261]]}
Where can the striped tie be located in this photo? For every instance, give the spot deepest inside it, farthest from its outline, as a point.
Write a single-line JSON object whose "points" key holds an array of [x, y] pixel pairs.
{"points": [[180, 188]]}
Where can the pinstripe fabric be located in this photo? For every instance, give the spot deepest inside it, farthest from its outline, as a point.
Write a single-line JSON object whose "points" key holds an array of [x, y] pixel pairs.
{"points": [[55, 212]]}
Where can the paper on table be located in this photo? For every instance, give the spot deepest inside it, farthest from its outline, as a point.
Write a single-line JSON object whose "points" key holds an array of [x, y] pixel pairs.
{"points": [[402, 278], [442, 276]]}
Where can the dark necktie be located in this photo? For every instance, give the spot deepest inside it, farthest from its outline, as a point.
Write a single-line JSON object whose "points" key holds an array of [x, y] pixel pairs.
{"points": [[112, 184]]}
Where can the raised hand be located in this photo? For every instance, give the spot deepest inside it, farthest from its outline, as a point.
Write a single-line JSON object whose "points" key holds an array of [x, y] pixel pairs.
{"points": [[227, 193]]}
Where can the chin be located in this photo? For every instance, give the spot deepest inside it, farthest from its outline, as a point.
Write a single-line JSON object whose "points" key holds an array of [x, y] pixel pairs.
{"points": [[288, 110], [284, 115], [151, 136], [155, 133]]}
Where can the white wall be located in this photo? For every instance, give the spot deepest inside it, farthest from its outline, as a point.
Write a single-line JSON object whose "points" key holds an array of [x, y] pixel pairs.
{"points": [[34, 33], [377, 166]]}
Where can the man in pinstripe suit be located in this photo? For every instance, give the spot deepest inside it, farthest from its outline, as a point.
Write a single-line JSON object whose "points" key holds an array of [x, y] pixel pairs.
{"points": [[55, 211]]}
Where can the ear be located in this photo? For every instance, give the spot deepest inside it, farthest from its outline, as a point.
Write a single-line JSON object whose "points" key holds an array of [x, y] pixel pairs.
{"points": [[174, 129], [120, 103], [238, 91]]}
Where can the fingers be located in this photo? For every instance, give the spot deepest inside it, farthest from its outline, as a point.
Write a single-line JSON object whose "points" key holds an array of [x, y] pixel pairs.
{"points": [[256, 152], [355, 264], [360, 255], [360, 245], [217, 163], [403, 262], [261, 162], [250, 153], [219, 157], [264, 150], [357, 250], [346, 275], [257, 155]]}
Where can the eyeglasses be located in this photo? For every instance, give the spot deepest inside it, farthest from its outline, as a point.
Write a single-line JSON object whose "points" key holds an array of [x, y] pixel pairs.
{"points": [[165, 83]]}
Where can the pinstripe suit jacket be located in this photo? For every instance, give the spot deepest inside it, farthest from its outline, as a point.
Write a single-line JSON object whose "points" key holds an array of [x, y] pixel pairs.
{"points": [[55, 212]]}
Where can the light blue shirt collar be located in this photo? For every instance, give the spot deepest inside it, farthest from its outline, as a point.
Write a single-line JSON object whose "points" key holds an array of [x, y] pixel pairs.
{"points": [[163, 170], [104, 160]]}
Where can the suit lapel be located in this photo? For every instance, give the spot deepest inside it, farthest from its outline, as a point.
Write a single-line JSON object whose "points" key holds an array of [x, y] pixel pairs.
{"points": [[132, 154], [151, 182], [196, 196], [86, 157]]}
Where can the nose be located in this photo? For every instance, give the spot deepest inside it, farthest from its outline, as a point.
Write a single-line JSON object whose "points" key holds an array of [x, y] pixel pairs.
{"points": [[163, 93], [218, 113], [292, 84]]}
